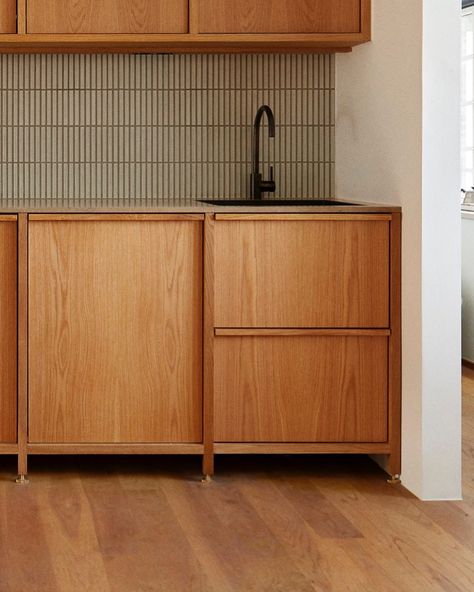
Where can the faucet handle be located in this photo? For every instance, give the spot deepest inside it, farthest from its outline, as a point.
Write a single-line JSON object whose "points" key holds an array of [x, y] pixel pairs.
{"points": [[268, 186]]}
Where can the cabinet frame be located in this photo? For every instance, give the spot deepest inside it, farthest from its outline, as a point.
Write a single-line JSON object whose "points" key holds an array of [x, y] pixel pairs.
{"points": [[26, 448], [191, 42], [390, 450]]}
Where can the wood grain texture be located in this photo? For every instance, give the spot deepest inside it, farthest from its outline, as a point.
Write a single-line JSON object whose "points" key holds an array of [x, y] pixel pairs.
{"points": [[105, 217], [208, 346], [301, 389], [21, 16], [301, 448], [7, 16], [142, 449], [115, 339], [8, 331], [107, 16], [301, 332], [294, 274], [179, 43], [280, 16], [395, 355], [295, 524], [22, 321]]}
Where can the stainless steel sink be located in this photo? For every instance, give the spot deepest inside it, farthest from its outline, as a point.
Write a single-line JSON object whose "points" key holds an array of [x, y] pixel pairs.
{"points": [[276, 202]]}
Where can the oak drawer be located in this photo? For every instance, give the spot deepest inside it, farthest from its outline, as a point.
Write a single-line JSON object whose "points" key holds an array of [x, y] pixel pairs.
{"points": [[301, 389], [302, 273]]}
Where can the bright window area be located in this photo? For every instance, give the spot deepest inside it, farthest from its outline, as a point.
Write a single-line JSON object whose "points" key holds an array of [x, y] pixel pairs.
{"points": [[467, 98]]}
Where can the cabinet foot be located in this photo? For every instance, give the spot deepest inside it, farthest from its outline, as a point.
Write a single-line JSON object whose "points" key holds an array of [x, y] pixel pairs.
{"points": [[22, 480], [394, 480], [206, 479]]}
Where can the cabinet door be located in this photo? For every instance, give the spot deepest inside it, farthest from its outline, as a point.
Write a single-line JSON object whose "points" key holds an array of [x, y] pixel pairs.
{"points": [[107, 16], [296, 273], [8, 330], [7, 16], [301, 389], [115, 331], [279, 16]]}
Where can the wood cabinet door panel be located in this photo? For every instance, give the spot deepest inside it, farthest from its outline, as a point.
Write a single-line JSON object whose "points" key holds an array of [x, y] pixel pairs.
{"points": [[279, 16], [8, 332], [301, 389], [7, 16], [107, 16], [302, 273], [115, 331]]}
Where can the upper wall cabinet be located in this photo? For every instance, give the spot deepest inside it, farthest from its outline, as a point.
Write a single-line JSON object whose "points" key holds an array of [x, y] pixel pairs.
{"points": [[7, 16], [183, 26], [280, 16]]}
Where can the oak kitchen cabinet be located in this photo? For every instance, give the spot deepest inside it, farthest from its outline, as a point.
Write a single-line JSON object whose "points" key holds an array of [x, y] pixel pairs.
{"points": [[115, 329], [279, 16], [107, 16], [8, 329], [306, 334], [201, 333], [8, 16], [200, 26]]}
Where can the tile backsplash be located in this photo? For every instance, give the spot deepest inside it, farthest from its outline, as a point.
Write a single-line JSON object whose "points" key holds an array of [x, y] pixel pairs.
{"points": [[150, 127]]}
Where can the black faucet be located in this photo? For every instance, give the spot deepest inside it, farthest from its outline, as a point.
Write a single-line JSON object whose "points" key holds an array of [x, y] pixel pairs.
{"points": [[258, 185]]}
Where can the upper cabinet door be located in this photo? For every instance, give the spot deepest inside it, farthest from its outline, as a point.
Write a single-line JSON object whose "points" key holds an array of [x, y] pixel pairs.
{"points": [[280, 16], [7, 16], [107, 16]]}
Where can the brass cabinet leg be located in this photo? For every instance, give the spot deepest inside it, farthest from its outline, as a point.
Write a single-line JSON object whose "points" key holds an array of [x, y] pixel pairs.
{"points": [[394, 466], [394, 480], [208, 466], [22, 478]]}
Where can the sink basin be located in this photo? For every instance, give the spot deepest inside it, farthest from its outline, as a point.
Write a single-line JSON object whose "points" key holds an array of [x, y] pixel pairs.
{"points": [[276, 202]]}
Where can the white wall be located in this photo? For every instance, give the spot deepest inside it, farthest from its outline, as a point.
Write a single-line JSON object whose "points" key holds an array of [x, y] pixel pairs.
{"points": [[397, 141]]}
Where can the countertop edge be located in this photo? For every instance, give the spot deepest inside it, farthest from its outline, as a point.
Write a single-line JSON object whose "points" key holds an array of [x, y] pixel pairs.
{"points": [[196, 208]]}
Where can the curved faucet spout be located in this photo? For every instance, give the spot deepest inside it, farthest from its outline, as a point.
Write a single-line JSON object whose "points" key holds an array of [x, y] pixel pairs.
{"points": [[259, 186]]}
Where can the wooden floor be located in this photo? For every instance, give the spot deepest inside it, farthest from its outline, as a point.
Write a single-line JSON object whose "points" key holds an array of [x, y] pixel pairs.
{"points": [[265, 524]]}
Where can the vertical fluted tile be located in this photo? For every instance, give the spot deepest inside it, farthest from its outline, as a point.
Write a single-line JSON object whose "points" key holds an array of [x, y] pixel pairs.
{"points": [[121, 126]]}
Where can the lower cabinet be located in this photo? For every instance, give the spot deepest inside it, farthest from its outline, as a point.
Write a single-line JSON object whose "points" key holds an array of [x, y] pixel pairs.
{"points": [[302, 388], [8, 329], [115, 324], [306, 343]]}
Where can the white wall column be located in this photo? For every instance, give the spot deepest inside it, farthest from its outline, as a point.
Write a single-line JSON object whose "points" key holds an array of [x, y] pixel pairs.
{"points": [[397, 141]]}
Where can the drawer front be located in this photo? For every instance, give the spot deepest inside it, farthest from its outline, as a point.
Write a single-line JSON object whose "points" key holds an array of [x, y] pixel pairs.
{"points": [[107, 16], [301, 389], [294, 273], [279, 16]]}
